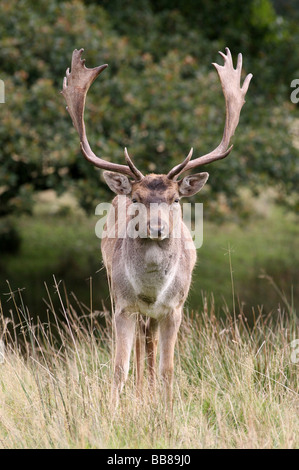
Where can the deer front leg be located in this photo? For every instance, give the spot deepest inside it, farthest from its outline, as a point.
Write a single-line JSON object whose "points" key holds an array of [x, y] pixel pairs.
{"points": [[151, 347], [124, 330], [168, 330], [140, 353]]}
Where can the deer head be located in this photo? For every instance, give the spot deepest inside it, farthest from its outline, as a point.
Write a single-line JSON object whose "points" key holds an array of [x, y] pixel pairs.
{"points": [[127, 179]]}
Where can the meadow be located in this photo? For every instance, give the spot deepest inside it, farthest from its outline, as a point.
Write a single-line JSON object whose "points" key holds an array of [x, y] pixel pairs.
{"points": [[236, 369], [235, 386]]}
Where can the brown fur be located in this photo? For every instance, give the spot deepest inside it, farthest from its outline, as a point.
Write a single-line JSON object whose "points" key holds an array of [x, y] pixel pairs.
{"points": [[150, 277], [149, 281]]}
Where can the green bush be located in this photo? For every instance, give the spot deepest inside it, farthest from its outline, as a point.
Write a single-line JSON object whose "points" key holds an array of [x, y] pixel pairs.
{"points": [[159, 96]]}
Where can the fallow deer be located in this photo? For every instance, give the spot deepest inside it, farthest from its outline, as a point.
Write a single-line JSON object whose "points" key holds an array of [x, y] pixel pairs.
{"points": [[149, 277]]}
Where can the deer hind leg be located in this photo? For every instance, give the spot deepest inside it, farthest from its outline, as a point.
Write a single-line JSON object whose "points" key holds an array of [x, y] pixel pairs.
{"points": [[151, 349], [168, 330], [124, 330]]}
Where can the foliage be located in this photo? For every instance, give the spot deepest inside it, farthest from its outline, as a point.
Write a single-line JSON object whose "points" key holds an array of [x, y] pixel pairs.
{"points": [[159, 96]]}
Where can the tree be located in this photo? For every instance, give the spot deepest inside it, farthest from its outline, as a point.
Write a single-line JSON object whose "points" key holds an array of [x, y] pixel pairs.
{"points": [[159, 96]]}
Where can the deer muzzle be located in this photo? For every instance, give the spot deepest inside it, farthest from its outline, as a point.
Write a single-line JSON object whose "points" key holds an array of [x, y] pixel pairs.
{"points": [[157, 230]]}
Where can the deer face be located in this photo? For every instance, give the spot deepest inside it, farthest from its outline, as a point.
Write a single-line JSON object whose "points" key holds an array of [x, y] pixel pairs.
{"points": [[155, 189], [156, 198]]}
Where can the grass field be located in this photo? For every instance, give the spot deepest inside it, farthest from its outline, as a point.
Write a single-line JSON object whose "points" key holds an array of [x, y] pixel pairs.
{"points": [[236, 371], [235, 386]]}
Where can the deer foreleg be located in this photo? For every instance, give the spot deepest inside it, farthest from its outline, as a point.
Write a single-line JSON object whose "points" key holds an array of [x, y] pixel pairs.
{"points": [[124, 330], [140, 353], [151, 347], [168, 330]]}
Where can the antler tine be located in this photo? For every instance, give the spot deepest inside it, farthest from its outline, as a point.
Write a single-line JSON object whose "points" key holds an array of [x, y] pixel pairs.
{"points": [[177, 170], [75, 87], [234, 101], [132, 167]]}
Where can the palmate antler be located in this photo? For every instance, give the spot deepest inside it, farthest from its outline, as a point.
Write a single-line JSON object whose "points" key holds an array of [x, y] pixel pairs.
{"points": [[75, 87], [234, 100]]}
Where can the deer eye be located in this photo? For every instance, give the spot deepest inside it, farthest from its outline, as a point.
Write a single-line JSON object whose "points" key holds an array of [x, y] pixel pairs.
{"points": [[176, 200], [134, 200]]}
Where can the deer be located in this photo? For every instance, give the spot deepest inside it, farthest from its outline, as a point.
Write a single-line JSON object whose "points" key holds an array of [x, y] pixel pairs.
{"points": [[150, 276]]}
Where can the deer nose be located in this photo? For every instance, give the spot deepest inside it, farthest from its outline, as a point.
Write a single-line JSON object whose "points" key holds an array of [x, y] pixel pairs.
{"points": [[157, 231]]}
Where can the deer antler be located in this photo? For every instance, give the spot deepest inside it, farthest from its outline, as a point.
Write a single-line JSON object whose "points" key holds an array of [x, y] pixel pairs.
{"points": [[75, 87], [234, 100]]}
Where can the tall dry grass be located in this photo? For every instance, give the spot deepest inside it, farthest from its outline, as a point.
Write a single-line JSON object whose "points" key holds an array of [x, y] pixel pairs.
{"points": [[235, 385]]}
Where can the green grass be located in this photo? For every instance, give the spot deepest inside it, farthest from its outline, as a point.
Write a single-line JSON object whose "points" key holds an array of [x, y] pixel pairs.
{"points": [[65, 246], [267, 243], [64, 243], [235, 383], [235, 386]]}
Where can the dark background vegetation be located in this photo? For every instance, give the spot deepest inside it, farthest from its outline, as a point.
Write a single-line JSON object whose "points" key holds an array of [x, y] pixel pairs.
{"points": [[159, 96]]}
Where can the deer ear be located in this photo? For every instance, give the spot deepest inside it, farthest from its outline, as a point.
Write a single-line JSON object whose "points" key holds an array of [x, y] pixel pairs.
{"points": [[117, 182], [191, 184]]}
